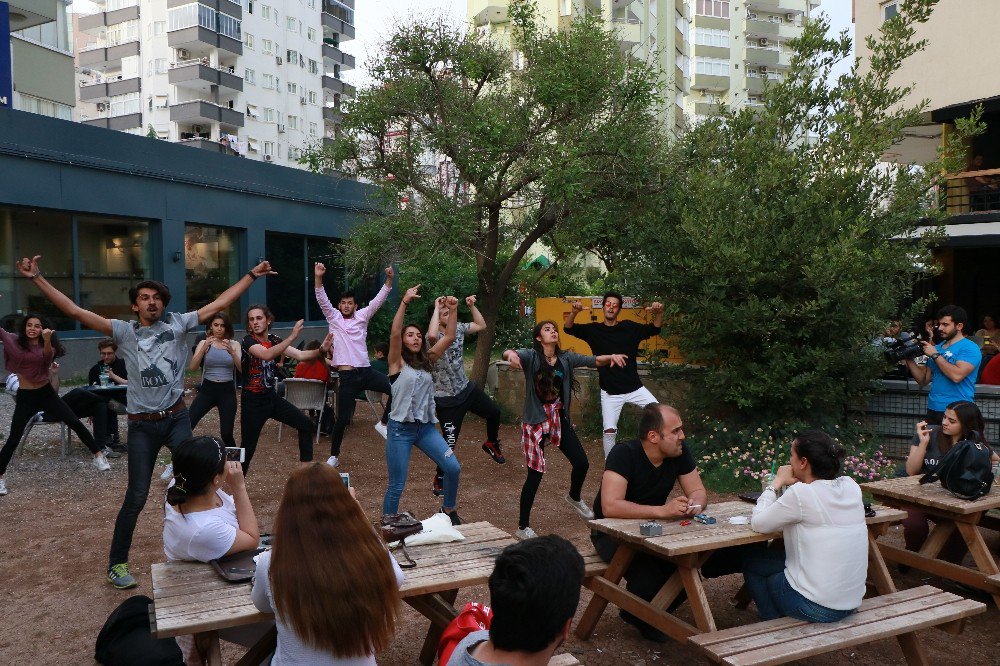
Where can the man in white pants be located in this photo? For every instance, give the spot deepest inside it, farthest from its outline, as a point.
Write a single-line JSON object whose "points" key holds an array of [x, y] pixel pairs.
{"points": [[618, 385]]}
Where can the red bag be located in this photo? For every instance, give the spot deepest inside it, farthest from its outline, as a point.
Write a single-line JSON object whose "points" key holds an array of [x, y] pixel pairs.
{"points": [[474, 617]]}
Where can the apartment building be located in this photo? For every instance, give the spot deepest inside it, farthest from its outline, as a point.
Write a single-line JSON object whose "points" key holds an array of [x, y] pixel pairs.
{"points": [[738, 47], [40, 68], [244, 77], [648, 29]]}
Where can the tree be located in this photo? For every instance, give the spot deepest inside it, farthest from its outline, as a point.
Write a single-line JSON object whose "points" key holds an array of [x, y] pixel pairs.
{"points": [[527, 150], [786, 246]]}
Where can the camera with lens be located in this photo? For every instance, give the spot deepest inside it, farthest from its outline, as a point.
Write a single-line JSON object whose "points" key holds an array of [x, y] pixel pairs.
{"points": [[907, 346]]}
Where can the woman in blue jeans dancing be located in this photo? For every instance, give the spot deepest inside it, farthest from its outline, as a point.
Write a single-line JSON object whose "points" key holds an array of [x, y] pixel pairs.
{"points": [[412, 419], [820, 575]]}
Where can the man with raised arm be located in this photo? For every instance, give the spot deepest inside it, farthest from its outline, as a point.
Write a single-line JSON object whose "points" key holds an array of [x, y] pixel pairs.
{"points": [[612, 336], [349, 328], [154, 349]]}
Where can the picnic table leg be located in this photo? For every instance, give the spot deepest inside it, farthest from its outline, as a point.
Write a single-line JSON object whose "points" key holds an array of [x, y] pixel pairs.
{"points": [[208, 646], [613, 574], [937, 538], [447, 599], [877, 570], [980, 553], [696, 596]]}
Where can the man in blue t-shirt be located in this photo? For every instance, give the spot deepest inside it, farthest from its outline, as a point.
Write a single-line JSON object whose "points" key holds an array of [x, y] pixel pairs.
{"points": [[952, 365]]}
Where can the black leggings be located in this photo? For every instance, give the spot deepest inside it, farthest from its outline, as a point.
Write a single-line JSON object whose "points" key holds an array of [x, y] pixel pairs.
{"points": [[573, 450], [258, 408], [450, 418], [221, 395], [29, 403]]}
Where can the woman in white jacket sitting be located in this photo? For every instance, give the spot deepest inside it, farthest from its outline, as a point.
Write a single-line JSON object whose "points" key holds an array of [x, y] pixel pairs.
{"points": [[820, 575]]}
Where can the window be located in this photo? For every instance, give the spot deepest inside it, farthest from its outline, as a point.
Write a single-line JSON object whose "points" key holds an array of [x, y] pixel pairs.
{"points": [[313, 66], [249, 6], [312, 97], [711, 66], [268, 115], [130, 67], [313, 129], [123, 105], [269, 148], [290, 292], [293, 122], [292, 57], [250, 76], [889, 10], [211, 264], [230, 27], [265, 46], [159, 28], [311, 34], [267, 81], [122, 33], [248, 40], [290, 23], [160, 65], [293, 153], [292, 87], [265, 12], [565, 7], [312, 4], [718, 8], [711, 37]]}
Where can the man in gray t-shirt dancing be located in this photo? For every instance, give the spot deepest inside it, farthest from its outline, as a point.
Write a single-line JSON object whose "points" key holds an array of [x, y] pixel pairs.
{"points": [[155, 352]]}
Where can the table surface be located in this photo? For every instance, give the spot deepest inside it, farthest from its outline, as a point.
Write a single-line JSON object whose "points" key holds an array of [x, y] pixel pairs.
{"points": [[696, 538], [190, 597], [933, 495], [109, 387]]}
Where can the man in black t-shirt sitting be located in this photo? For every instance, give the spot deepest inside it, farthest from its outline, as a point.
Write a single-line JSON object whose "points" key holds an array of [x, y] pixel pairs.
{"points": [[639, 476], [100, 406], [618, 385]]}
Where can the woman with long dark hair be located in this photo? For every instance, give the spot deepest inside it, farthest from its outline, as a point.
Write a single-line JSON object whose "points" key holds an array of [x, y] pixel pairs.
{"points": [[29, 355], [220, 356], [549, 387], [413, 416], [962, 420], [328, 578]]}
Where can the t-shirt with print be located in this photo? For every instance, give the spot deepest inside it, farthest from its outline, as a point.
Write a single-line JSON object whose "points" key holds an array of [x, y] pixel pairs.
{"points": [[944, 391], [200, 536], [647, 484], [155, 358], [622, 338], [258, 374], [933, 455], [449, 370]]}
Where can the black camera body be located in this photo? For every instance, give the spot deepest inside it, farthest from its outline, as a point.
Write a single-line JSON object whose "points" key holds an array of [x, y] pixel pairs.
{"points": [[906, 347]]}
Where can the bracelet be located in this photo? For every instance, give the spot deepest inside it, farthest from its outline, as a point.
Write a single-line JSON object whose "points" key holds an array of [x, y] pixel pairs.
{"points": [[771, 488], [37, 273], [250, 274]]}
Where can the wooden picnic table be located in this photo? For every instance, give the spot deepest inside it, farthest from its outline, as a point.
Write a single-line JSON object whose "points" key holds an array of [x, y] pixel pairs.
{"points": [[191, 598], [949, 513], [688, 547]]}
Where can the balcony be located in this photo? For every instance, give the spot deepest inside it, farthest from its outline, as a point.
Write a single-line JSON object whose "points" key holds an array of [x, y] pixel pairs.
{"points": [[204, 112], [973, 192], [482, 12], [29, 13], [95, 23], [337, 86], [119, 123], [337, 25], [119, 86], [199, 41], [207, 144], [768, 56], [706, 108], [776, 6], [333, 114], [334, 56], [709, 82], [108, 57], [705, 51], [772, 29], [193, 75], [628, 31], [231, 7]]}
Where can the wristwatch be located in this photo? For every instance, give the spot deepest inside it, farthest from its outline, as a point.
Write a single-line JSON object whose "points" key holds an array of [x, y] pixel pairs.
{"points": [[935, 355], [771, 488]]}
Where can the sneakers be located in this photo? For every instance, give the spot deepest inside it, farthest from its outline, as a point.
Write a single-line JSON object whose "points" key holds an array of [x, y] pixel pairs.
{"points": [[381, 429], [526, 533], [333, 461], [3, 487], [581, 508], [37, 418], [101, 462], [120, 578], [649, 632], [493, 450], [111, 453], [453, 514], [168, 472], [438, 487]]}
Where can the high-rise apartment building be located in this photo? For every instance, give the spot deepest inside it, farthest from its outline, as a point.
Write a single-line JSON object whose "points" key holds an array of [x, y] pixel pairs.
{"points": [[261, 79], [736, 47], [648, 29], [41, 56]]}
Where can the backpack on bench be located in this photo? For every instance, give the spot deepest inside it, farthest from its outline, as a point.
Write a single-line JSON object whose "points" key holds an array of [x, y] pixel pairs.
{"points": [[126, 639], [966, 471]]}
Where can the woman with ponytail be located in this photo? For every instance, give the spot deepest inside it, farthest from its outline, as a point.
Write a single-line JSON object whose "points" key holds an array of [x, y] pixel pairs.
{"points": [[820, 575]]}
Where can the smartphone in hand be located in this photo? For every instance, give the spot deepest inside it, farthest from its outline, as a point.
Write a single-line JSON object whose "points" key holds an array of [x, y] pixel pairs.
{"points": [[346, 478], [236, 454]]}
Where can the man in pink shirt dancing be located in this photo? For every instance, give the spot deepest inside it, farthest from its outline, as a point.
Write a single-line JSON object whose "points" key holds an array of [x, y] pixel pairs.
{"points": [[349, 327]]}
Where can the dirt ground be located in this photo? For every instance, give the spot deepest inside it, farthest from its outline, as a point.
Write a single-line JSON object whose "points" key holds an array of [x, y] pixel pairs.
{"points": [[56, 524]]}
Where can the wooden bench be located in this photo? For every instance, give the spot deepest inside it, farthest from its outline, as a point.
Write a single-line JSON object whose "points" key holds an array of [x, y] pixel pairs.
{"points": [[593, 565], [994, 580], [898, 614]]}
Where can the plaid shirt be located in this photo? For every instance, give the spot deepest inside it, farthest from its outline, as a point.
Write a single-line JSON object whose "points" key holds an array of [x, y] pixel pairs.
{"points": [[533, 437]]}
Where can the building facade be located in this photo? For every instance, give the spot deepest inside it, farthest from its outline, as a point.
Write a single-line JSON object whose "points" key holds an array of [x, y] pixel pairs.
{"points": [[41, 54], [262, 80], [738, 47]]}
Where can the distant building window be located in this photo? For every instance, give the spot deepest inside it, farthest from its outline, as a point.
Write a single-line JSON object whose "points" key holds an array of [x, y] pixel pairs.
{"points": [[292, 57], [313, 66], [311, 34], [718, 8], [313, 129], [265, 12], [312, 96], [265, 46], [269, 148], [291, 24], [292, 87], [267, 81], [268, 115], [248, 40], [890, 10], [250, 76], [211, 262], [293, 122], [711, 66], [711, 37]]}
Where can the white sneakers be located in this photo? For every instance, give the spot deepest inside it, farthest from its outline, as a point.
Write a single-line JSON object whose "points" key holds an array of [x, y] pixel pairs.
{"points": [[526, 533], [168, 472], [333, 461], [3, 487], [101, 462], [581, 508], [381, 429]]}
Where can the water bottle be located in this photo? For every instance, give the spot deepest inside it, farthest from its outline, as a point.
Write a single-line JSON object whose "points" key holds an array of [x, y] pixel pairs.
{"points": [[103, 377]]}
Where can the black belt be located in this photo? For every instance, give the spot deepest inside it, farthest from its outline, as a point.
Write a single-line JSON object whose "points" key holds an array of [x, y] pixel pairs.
{"points": [[160, 415]]}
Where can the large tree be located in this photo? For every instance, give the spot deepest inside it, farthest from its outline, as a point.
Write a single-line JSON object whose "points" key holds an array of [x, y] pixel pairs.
{"points": [[786, 245], [537, 135]]}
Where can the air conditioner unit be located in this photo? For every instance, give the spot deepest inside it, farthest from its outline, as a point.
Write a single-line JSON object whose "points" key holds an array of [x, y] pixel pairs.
{"points": [[790, 18], [302, 100], [752, 16], [762, 42], [267, 158], [196, 129], [763, 69], [277, 59], [281, 127], [183, 54], [101, 106]]}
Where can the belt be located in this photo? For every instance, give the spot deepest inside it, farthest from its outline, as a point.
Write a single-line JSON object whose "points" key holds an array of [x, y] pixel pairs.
{"points": [[158, 416]]}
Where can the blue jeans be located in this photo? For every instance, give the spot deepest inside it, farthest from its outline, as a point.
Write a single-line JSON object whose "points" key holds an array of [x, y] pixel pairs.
{"points": [[764, 571], [402, 437], [144, 441]]}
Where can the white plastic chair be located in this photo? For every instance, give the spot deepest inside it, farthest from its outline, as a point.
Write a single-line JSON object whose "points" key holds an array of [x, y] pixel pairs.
{"points": [[375, 398], [306, 394], [64, 432]]}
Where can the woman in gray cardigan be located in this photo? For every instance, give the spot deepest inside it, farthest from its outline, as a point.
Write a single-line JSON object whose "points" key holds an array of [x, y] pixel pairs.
{"points": [[549, 385]]}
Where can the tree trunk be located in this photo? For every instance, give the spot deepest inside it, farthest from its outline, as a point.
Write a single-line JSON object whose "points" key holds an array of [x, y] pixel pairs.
{"points": [[489, 306]]}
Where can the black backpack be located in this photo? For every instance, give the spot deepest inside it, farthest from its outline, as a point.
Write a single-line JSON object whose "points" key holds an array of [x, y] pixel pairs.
{"points": [[966, 471], [125, 638]]}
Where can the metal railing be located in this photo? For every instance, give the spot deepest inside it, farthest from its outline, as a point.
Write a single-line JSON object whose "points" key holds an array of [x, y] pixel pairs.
{"points": [[972, 192]]}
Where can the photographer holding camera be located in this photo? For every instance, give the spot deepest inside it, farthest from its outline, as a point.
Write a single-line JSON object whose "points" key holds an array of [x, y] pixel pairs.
{"points": [[952, 365]]}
